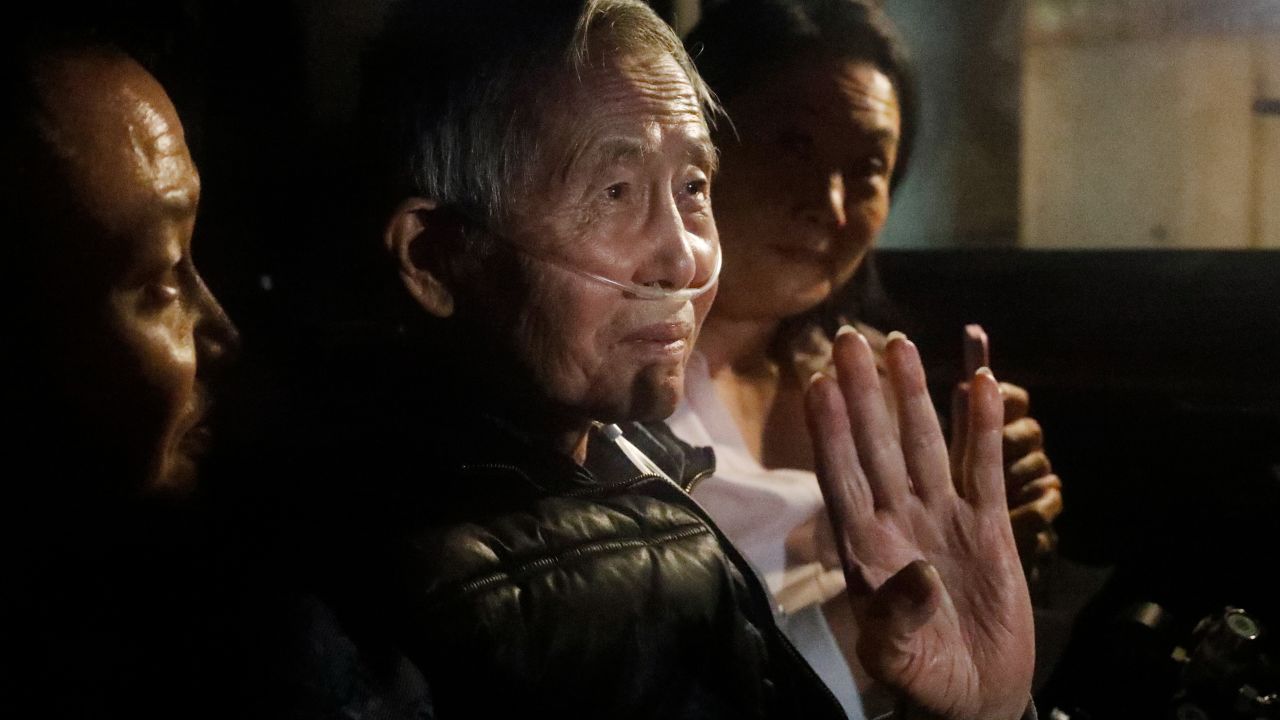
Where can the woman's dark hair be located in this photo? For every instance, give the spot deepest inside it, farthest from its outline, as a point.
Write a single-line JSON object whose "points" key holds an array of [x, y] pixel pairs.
{"points": [[739, 43]]}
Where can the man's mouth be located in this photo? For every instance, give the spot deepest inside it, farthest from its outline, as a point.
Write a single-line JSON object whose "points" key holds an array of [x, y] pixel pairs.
{"points": [[197, 437], [197, 441], [662, 339]]}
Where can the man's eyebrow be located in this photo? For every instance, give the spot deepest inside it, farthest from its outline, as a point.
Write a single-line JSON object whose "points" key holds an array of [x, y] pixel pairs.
{"points": [[702, 153], [608, 152], [623, 150]]}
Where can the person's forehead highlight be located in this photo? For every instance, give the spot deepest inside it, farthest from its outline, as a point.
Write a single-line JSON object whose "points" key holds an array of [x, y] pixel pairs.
{"points": [[159, 152], [625, 111]]}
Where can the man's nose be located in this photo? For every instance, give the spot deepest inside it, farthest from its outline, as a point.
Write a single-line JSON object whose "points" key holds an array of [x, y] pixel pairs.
{"points": [[677, 257], [217, 339], [827, 205]]}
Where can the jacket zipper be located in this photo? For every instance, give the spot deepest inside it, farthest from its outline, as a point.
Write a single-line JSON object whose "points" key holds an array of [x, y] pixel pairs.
{"points": [[697, 479]]}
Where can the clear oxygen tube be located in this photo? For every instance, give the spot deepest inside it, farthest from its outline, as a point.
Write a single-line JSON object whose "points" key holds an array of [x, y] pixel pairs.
{"points": [[639, 292], [642, 462]]}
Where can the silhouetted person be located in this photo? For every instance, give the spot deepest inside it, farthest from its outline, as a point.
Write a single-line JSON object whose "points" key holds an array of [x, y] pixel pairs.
{"points": [[109, 332]]}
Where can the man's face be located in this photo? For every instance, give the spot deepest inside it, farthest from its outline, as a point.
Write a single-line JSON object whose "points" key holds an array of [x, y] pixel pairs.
{"points": [[130, 321], [625, 196]]}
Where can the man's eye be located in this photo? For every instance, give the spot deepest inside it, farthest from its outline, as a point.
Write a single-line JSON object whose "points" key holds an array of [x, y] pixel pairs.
{"points": [[617, 191], [162, 290], [159, 295], [697, 188]]}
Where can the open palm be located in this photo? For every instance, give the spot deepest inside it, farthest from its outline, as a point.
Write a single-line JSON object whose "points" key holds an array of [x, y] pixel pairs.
{"points": [[930, 563]]}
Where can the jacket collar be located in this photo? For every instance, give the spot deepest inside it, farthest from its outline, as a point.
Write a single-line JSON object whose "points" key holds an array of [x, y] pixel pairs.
{"points": [[487, 447]]}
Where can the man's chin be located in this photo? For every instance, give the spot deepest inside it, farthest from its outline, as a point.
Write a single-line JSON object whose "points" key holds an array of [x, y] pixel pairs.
{"points": [[178, 474], [655, 396]]}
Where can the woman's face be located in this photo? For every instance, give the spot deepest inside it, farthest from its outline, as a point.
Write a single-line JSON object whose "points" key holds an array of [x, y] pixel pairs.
{"points": [[804, 190]]}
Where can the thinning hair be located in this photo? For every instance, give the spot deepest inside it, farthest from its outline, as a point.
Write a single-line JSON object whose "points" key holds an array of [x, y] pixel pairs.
{"points": [[739, 44], [458, 96]]}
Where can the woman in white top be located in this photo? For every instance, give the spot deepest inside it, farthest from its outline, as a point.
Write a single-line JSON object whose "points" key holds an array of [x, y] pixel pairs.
{"points": [[822, 116]]}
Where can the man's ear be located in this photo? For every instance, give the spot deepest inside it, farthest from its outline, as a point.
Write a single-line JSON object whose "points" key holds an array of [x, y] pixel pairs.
{"points": [[418, 236]]}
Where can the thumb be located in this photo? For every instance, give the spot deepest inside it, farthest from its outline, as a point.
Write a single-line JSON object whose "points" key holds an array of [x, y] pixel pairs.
{"points": [[887, 644]]}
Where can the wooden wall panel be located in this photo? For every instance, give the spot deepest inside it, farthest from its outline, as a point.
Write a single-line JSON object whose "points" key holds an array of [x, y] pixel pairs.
{"points": [[1267, 143], [1150, 142]]}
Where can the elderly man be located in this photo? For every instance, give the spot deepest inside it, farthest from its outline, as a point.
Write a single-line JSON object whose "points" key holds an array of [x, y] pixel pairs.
{"points": [[110, 333], [537, 551]]}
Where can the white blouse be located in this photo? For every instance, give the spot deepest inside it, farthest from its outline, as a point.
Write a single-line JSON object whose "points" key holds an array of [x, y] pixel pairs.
{"points": [[757, 508]]}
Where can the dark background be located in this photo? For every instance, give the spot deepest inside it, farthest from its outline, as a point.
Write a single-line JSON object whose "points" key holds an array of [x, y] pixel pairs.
{"points": [[1155, 376]]}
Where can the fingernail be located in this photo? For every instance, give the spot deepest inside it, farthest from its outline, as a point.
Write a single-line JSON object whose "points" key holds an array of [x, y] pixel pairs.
{"points": [[984, 370], [895, 335], [846, 329], [815, 378]]}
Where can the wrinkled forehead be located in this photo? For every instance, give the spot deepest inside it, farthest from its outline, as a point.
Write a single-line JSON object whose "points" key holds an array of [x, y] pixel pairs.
{"points": [[631, 105]]}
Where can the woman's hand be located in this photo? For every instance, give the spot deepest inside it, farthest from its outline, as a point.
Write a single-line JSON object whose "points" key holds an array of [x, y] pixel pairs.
{"points": [[1034, 492], [930, 564]]}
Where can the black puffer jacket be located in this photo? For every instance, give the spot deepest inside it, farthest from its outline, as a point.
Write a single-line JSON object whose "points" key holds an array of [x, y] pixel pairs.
{"points": [[521, 582]]}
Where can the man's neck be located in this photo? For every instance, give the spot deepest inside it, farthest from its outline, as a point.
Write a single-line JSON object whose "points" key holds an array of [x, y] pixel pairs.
{"points": [[571, 440], [543, 426], [491, 388]]}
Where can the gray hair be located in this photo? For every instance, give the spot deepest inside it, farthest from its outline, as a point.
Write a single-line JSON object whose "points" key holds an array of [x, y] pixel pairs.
{"points": [[460, 94]]}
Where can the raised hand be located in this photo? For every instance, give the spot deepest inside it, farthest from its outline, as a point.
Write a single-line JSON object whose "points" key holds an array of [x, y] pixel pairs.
{"points": [[931, 566]]}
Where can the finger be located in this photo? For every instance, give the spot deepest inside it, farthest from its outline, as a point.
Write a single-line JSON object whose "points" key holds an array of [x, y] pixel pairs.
{"points": [[983, 478], [839, 473], [977, 354], [1025, 469], [874, 431], [844, 487], [1035, 489], [1017, 401], [887, 643], [977, 349], [1033, 518], [959, 427], [923, 449], [1021, 438], [1043, 497]]}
